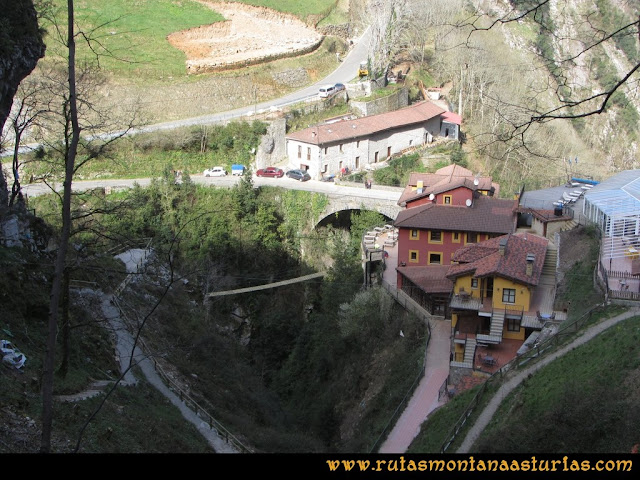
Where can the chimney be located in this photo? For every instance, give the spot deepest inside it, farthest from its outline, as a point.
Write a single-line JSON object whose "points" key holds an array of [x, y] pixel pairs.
{"points": [[502, 246], [530, 259]]}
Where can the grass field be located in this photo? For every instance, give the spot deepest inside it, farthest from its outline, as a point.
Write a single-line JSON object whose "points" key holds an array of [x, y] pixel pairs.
{"points": [[131, 36]]}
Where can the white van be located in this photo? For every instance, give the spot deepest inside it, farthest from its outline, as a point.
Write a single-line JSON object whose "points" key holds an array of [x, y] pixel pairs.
{"points": [[327, 91]]}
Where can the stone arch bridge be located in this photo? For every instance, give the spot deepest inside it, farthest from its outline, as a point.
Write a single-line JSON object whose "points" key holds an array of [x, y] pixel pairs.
{"points": [[381, 201]]}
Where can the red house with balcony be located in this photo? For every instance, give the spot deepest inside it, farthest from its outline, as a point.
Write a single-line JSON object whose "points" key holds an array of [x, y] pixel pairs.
{"points": [[450, 185], [455, 210]]}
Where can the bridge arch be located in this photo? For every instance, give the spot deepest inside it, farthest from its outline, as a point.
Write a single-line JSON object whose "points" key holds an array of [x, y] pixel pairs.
{"points": [[340, 203]]}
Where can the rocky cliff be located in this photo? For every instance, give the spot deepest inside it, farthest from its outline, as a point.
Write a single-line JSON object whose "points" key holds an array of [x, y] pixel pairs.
{"points": [[21, 46]]}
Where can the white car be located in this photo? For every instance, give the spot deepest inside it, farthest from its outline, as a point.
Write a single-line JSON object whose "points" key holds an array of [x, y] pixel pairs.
{"points": [[215, 172]]}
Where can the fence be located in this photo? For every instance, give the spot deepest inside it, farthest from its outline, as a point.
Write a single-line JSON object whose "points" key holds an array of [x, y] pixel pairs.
{"points": [[184, 397], [405, 400], [517, 363], [410, 306]]}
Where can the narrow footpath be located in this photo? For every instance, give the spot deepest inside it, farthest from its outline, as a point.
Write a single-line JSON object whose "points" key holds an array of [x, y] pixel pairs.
{"points": [[487, 414], [124, 346], [425, 397]]}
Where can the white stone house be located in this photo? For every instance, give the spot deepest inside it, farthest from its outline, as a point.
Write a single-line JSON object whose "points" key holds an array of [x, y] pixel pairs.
{"points": [[329, 148]]}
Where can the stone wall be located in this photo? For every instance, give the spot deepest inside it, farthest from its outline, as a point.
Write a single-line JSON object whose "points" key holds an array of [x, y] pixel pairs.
{"points": [[295, 77], [342, 31], [389, 103]]}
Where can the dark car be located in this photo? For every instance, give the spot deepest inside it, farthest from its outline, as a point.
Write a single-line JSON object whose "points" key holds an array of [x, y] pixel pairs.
{"points": [[270, 172], [299, 175], [339, 87]]}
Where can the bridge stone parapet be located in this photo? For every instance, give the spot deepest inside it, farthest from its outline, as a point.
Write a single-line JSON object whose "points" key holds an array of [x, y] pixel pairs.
{"points": [[385, 203]]}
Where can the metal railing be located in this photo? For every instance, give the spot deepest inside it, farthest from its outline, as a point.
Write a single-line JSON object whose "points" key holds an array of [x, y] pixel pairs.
{"points": [[200, 412], [405, 400], [517, 363]]}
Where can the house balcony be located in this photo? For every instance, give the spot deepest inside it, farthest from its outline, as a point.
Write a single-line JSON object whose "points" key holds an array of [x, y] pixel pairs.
{"points": [[464, 301]]}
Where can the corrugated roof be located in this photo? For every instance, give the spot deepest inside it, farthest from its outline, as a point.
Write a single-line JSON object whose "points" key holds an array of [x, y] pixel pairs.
{"points": [[452, 117], [366, 126]]}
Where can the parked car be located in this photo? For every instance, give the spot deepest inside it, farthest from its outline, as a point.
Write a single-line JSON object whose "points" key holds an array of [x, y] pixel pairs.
{"points": [[299, 175], [339, 87], [270, 172], [215, 172], [237, 169], [326, 91]]}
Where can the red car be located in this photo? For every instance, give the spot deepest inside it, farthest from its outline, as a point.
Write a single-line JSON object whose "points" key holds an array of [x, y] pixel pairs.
{"points": [[270, 172]]}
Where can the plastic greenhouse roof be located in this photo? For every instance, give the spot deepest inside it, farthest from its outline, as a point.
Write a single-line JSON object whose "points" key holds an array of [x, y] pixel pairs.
{"points": [[618, 196]]}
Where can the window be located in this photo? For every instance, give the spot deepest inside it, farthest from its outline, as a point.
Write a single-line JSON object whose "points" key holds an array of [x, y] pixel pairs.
{"points": [[509, 295], [435, 236], [415, 234], [324, 168], [474, 283], [435, 258], [340, 165], [299, 151], [340, 147], [388, 152], [413, 256], [325, 150], [375, 157], [455, 237], [308, 153], [358, 144], [357, 162], [513, 325], [447, 199], [472, 237]]}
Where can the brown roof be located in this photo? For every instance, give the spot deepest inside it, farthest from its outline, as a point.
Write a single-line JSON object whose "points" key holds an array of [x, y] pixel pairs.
{"points": [[444, 179], [430, 278], [485, 215], [365, 126], [484, 259]]}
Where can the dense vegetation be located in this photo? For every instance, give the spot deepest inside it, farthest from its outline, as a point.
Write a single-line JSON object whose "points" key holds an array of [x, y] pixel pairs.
{"points": [[315, 366], [190, 150]]}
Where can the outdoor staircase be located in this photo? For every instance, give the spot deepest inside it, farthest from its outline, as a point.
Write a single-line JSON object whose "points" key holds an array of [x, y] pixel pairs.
{"points": [[549, 267], [495, 330], [469, 351], [469, 354], [571, 224]]}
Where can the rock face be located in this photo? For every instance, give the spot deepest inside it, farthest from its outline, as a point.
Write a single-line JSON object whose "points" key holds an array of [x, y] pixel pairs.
{"points": [[21, 46]]}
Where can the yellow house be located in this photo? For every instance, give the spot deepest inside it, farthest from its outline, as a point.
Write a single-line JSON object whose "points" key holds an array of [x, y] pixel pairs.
{"points": [[494, 284]]}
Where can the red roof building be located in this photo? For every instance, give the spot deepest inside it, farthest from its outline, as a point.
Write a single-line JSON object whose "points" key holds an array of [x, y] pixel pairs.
{"points": [[355, 144]]}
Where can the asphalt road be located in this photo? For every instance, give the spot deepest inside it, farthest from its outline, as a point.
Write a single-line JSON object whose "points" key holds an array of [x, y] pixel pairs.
{"points": [[330, 188], [346, 71]]}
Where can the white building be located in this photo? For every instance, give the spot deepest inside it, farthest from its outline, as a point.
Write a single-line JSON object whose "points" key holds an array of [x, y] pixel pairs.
{"points": [[353, 144]]}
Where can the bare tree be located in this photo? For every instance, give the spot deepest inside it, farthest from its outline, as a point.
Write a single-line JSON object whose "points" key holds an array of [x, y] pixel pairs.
{"points": [[76, 114], [570, 45]]}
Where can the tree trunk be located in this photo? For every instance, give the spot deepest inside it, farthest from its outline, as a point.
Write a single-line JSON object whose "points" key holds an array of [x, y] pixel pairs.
{"points": [[66, 326], [56, 287]]}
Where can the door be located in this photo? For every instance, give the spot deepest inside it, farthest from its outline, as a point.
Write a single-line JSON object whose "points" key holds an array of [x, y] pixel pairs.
{"points": [[489, 287]]}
